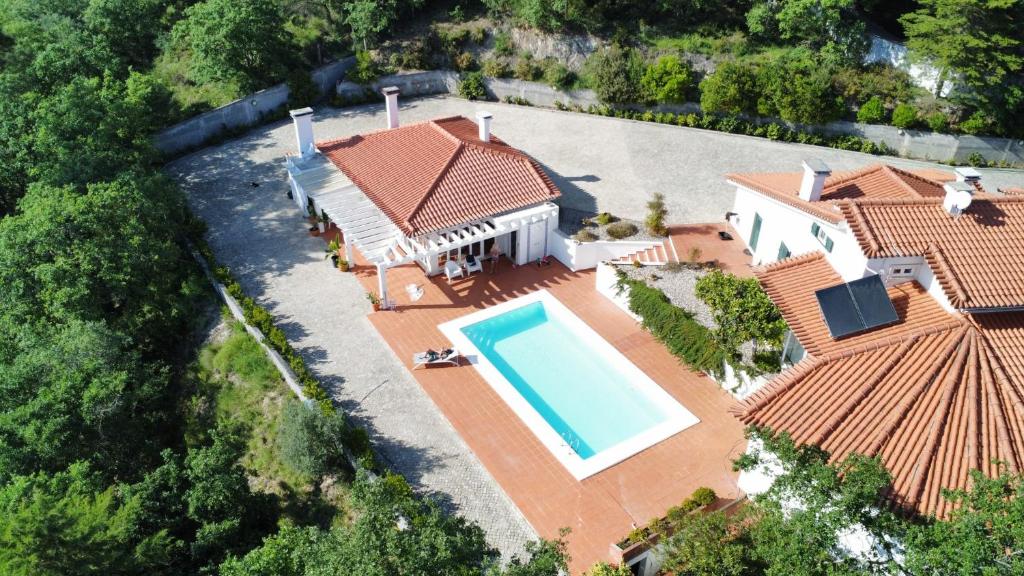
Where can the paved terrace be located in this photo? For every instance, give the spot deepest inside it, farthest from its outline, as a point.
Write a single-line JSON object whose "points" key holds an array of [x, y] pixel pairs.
{"points": [[597, 162]]}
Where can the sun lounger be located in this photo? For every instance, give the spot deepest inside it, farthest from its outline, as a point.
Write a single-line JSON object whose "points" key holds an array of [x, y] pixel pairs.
{"points": [[448, 356]]}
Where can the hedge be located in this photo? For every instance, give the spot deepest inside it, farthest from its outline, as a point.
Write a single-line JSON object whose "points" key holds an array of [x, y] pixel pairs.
{"points": [[356, 439], [685, 338]]}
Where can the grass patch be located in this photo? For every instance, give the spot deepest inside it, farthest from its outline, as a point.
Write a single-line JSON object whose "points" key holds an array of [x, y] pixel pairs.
{"points": [[188, 97], [235, 381], [734, 44]]}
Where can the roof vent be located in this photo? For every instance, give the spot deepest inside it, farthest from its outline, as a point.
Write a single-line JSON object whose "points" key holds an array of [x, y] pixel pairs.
{"points": [[815, 173], [959, 195], [967, 174], [391, 105], [483, 119]]}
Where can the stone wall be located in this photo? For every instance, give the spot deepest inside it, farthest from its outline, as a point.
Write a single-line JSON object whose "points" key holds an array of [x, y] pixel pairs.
{"points": [[248, 111]]}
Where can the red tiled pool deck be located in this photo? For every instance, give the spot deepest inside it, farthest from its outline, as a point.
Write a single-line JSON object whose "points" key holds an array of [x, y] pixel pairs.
{"points": [[600, 509]]}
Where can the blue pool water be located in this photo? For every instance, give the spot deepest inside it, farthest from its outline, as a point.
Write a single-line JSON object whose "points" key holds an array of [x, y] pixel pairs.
{"points": [[585, 398]]}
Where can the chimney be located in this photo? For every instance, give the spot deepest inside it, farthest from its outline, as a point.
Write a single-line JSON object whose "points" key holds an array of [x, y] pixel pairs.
{"points": [[483, 119], [967, 174], [815, 173], [303, 120], [958, 197], [391, 99]]}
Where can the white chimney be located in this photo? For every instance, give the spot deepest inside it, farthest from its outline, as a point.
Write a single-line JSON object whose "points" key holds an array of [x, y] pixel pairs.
{"points": [[958, 197], [303, 120], [391, 100], [483, 119], [815, 173], [967, 174]]}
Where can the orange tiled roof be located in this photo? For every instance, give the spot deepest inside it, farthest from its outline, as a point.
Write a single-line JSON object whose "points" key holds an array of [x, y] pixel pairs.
{"points": [[877, 181], [934, 395], [438, 174], [791, 284], [978, 258]]}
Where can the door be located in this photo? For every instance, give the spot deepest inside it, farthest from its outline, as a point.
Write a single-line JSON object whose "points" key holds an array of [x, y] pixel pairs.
{"points": [[537, 240], [755, 232]]}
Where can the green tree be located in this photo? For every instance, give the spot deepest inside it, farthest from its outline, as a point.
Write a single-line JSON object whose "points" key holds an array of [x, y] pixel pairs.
{"points": [[741, 308], [796, 88], [128, 28], [311, 441], [904, 116], [615, 74], [667, 80], [831, 27], [983, 534], [369, 19], [872, 111], [64, 525], [606, 569], [236, 40], [731, 89], [707, 545]]}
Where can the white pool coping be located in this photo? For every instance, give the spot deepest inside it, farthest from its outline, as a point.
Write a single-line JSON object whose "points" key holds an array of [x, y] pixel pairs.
{"points": [[678, 418]]}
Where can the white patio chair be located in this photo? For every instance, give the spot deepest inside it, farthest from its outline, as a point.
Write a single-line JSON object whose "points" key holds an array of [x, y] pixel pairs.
{"points": [[415, 292], [452, 270], [473, 266]]}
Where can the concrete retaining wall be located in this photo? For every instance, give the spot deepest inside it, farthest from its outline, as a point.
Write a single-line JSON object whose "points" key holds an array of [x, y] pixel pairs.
{"points": [[248, 111]]}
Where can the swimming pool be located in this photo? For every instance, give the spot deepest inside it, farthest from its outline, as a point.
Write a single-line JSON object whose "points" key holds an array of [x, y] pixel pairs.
{"points": [[588, 404]]}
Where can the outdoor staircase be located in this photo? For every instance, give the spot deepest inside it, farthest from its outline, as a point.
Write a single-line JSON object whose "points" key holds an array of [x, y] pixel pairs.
{"points": [[656, 255]]}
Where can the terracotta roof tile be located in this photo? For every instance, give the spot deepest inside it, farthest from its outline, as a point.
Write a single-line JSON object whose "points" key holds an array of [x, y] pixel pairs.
{"points": [[977, 257], [935, 395], [876, 181], [438, 174]]}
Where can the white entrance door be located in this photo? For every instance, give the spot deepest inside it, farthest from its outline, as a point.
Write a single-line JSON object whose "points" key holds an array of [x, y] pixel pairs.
{"points": [[538, 238]]}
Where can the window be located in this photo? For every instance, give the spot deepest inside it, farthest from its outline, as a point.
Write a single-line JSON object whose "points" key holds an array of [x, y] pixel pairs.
{"points": [[818, 232], [901, 270], [755, 232], [783, 251]]}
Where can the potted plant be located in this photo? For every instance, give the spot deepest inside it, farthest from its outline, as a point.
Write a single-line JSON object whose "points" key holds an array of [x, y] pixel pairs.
{"points": [[343, 265], [374, 300], [321, 222], [333, 251]]}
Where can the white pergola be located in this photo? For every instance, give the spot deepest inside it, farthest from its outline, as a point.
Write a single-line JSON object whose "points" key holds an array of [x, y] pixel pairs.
{"points": [[378, 239]]}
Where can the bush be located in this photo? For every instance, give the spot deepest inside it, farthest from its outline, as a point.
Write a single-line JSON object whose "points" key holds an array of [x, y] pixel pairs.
{"points": [[365, 71], [503, 45], [472, 86], [731, 89], [526, 69], [703, 496], [620, 230], [310, 441], [615, 74], [667, 80], [872, 111], [556, 75], [464, 62], [604, 218], [478, 35], [302, 91], [977, 123], [656, 212], [495, 68], [798, 89], [585, 235], [938, 122], [904, 116]]}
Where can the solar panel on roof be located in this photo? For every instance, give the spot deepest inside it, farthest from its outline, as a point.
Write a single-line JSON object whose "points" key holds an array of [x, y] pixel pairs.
{"points": [[856, 306]]}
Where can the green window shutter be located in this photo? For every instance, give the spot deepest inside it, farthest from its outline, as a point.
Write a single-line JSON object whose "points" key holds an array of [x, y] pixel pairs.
{"points": [[815, 228], [828, 244]]}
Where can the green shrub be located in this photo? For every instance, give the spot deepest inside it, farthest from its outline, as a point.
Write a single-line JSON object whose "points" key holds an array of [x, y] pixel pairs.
{"points": [[731, 89], [503, 45], [872, 111], [472, 86], [310, 440], [667, 80], [938, 122], [976, 159], [464, 62], [478, 35], [977, 123], [495, 68], [703, 496], [302, 91], [365, 71], [604, 218], [904, 116], [620, 230], [557, 75], [656, 212], [616, 73], [585, 235], [526, 69], [674, 327], [797, 88]]}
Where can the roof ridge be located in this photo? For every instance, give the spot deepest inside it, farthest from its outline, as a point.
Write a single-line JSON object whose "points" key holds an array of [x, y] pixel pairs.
{"points": [[894, 173], [854, 174], [936, 258], [946, 326], [856, 221], [787, 263]]}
